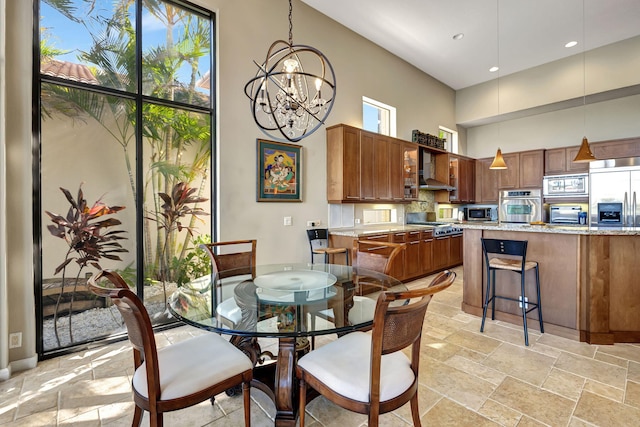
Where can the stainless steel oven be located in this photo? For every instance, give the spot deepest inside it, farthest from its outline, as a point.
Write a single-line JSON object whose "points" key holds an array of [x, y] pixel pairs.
{"points": [[520, 206]]}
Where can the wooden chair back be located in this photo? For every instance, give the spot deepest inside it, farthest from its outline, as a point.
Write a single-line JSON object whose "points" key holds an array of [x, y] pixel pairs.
{"points": [[232, 263], [376, 256], [138, 323]]}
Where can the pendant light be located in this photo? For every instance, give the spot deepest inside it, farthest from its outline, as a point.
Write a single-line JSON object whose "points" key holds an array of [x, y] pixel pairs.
{"points": [[584, 153], [289, 101], [498, 161]]}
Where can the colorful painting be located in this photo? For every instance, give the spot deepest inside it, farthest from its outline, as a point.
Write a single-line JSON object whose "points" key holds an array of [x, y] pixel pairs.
{"points": [[278, 172]]}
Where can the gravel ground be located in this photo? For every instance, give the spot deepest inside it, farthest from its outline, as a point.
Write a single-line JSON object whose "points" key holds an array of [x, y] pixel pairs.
{"points": [[98, 322]]}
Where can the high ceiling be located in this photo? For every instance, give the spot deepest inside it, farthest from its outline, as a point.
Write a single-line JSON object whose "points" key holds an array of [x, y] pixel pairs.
{"points": [[516, 34]]}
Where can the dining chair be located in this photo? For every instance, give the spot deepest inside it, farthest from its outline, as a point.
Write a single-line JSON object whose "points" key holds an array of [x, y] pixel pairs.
{"points": [[230, 260], [319, 244], [369, 373], [375, 256], [370, 255], [179, 375]]}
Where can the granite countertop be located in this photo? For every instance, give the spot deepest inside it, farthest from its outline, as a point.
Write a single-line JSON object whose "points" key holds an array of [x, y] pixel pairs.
{"points": [[489, 225], [552, 228], [373, 229]]}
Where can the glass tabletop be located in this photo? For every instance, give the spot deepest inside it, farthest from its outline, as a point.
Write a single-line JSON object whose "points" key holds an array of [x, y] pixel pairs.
{"points": [[279, 300]]}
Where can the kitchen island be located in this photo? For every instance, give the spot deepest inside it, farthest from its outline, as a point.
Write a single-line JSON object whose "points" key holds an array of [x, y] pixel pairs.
{"points": [[589, 279]]}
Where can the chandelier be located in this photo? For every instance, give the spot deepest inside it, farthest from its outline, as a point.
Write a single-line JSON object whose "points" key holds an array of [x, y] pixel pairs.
{"points": [[289, 102]]}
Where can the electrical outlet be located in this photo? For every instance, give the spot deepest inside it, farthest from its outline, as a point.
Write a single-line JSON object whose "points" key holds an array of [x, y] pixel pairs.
{"points": [[311, 224], [357, 220], [287, 220], [15, 340], [526, 300]]}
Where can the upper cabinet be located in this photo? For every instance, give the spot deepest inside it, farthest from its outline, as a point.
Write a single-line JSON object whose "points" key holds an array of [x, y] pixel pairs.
{"points": [[411, 170], [368, 167], [459, 172], [486, 181], [559, 161], [343, 164], [525, 169]]}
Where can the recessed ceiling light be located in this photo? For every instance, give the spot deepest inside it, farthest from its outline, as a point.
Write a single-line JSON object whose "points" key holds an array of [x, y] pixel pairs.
{"points": [[571, 44], [494, 69], [458, 36]]}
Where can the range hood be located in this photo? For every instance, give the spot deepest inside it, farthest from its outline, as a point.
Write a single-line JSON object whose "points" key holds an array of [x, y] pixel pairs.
{"points": [[425, 180]]}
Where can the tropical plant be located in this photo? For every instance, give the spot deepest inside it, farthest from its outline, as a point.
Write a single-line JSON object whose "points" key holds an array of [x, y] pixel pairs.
{"points": [[178, 141], [89, 239], [175, 208], [195, 264]]}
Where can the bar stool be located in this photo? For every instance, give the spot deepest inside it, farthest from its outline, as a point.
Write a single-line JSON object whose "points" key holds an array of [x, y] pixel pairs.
{"points": [[517, 250], [319, 243]]}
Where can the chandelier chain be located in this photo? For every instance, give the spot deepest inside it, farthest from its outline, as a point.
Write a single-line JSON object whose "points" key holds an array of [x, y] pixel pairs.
{"points": [[290, 24]]}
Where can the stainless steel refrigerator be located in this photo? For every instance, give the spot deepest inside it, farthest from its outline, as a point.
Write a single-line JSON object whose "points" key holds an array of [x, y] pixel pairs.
{"points": [[615, 182]]}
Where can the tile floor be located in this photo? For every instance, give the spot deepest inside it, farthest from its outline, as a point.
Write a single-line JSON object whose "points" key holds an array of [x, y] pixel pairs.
{"points": [[467, 378]]}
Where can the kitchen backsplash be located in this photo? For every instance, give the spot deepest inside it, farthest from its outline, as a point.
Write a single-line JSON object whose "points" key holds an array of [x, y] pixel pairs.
{"points": [[426, 202]]}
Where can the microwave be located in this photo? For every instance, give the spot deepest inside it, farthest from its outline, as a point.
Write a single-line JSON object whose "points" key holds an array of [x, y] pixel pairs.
{"points": [[563, 186], [477, 214]]}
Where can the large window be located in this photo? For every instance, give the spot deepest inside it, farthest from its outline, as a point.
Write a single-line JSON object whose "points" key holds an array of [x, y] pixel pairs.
{"points": [[124, 158]]}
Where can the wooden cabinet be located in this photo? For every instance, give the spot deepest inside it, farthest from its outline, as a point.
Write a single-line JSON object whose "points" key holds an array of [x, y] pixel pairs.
{"points": [[396, 169], [458, 172], [558, 161], [455, 250], [486, 181], [525, 169], [343, 169], [441, 252], [368, 167], [381, 168], [508, 178], [531, 169], [413, 258], [410, 172], [616, 149], [426, 251]]}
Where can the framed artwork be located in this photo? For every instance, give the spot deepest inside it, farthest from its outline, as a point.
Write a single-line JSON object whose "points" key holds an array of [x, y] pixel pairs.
{"points": [[279, 172]]}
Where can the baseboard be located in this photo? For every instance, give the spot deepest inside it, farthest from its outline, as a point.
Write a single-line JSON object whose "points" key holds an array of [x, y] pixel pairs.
{"points": [[19, 365], [5, 373]]}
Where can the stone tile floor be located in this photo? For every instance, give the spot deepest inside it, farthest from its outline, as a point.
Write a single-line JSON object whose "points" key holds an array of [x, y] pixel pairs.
{"points": [[467, 378]]}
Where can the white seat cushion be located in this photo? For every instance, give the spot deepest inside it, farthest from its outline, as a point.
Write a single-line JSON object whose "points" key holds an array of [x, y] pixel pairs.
{"points": [[230, 310], [192, 365], [362, 311], [344, 365]]}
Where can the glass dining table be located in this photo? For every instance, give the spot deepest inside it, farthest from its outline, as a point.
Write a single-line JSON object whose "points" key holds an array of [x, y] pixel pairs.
{"points": [[290, 302]]}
